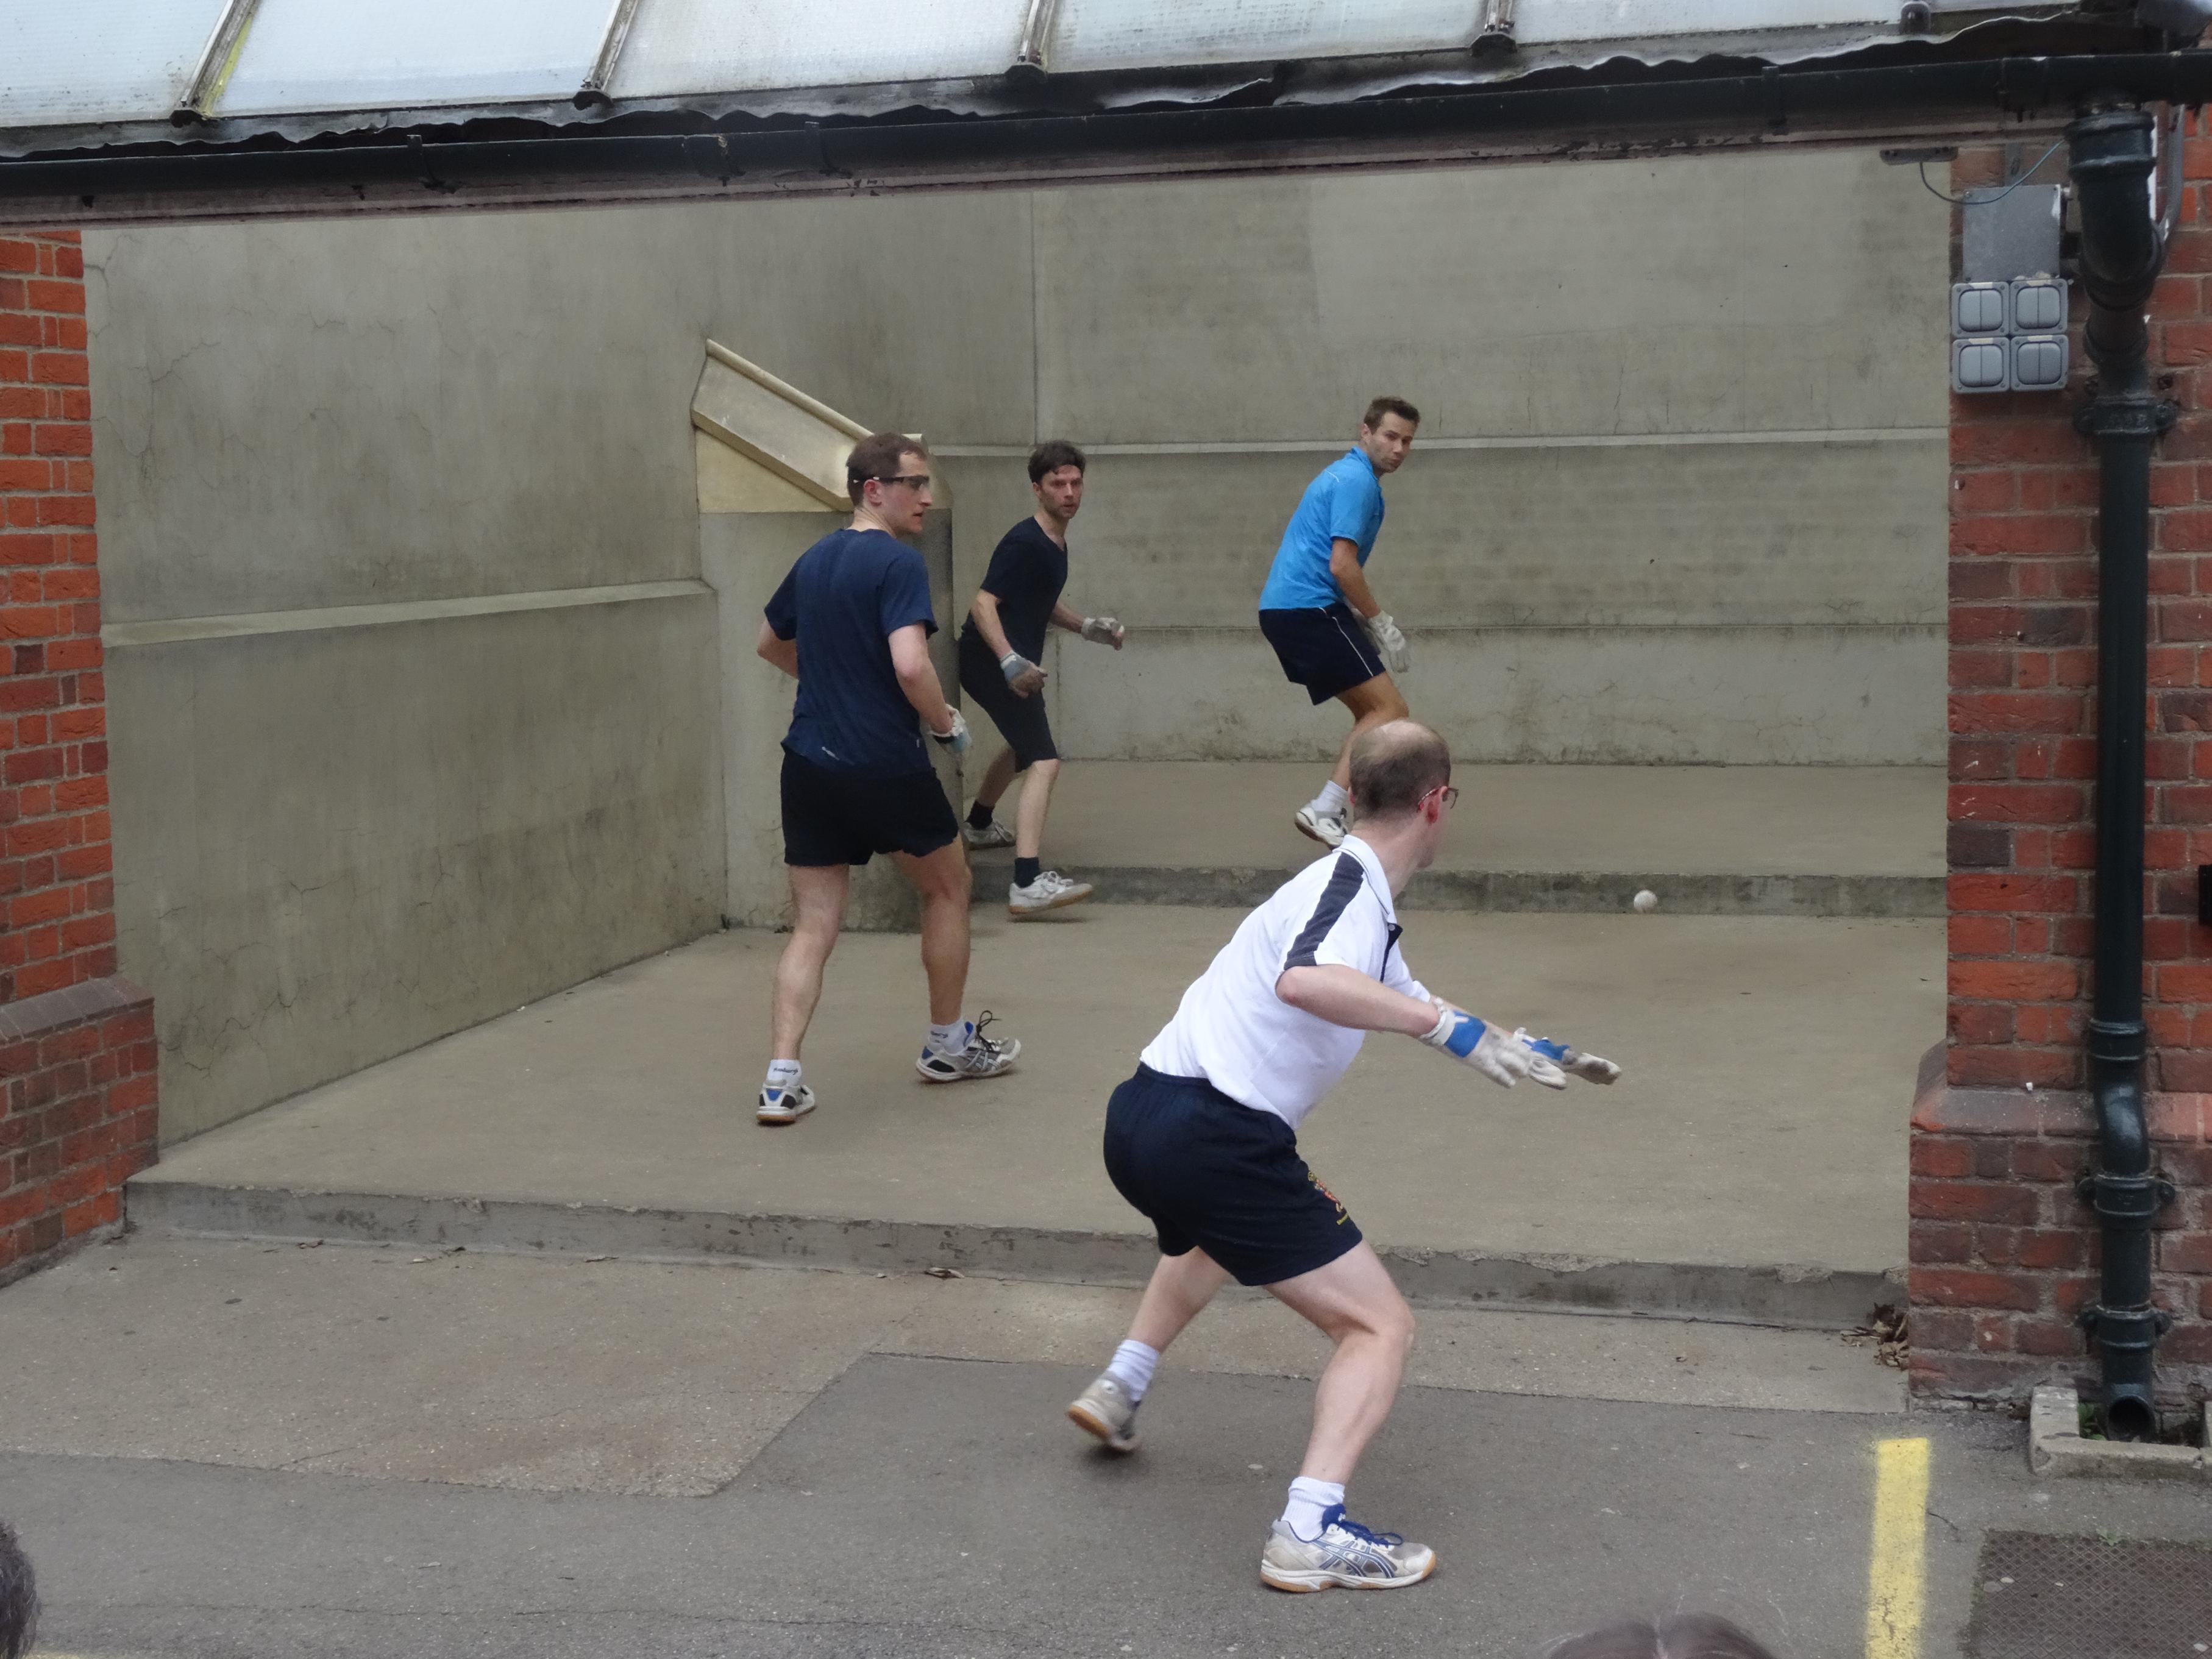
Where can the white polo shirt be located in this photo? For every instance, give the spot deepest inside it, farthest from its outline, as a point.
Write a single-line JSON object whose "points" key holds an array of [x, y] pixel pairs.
{"points": [[1235, 1032]]}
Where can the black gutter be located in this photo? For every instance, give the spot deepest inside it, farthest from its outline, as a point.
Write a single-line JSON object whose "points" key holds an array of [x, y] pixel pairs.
{"points": [[917, 146], [2121, 253]]}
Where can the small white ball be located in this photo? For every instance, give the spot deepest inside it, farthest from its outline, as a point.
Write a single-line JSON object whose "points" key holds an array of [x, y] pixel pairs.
{"points": [[1646, 900]]}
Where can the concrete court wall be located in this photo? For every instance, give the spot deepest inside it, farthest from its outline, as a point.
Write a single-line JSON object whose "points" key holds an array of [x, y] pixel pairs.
{"points": [[413, 676]]}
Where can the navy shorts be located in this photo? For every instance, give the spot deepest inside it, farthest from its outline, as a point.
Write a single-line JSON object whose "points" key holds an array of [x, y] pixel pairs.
{"points": [[1326, 650], [1209, 1172], [1020, 720], [843, 818]]}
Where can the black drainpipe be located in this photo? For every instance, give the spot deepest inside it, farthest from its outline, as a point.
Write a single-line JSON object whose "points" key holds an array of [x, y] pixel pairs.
{"points": [[2121, 251]]}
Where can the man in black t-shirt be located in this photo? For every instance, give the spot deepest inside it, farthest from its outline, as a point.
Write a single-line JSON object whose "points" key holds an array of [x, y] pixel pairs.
{"points": [[1001, 649]]}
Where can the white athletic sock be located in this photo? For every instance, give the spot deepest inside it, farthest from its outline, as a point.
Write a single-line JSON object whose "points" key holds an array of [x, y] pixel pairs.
{"points": [[1332, 800], [783, 1074], [1132, 1366], [1310, 1501], [949, 1039]]}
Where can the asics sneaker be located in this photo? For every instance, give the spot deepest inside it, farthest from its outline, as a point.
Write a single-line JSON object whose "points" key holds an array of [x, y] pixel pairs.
{"points": [[1048, 891], [779, 1105], [1105, 1409], [983, 1057], [992, 834], [1326, 828], [1345, 1554]]}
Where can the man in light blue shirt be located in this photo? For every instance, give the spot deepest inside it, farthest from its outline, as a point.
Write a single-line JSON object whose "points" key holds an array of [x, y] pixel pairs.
{"points": [[1329, 632]]}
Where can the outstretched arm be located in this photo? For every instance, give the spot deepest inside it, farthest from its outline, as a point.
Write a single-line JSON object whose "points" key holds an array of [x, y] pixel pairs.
{"points": [[1099, 631], [1345, 996]]}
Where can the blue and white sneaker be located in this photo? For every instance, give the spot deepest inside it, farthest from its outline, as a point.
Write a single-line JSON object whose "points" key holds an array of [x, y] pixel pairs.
{"points": [[983, 1056], [779, 1105], [1345, 1554]]}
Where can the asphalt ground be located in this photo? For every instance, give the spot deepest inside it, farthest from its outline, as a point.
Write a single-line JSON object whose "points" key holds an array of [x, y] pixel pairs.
{"points": [[244, 1451]]}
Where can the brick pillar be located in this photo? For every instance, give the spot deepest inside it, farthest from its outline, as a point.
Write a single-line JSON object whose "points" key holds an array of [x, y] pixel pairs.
{"points": [[76, 1048], [2003, 1252]]}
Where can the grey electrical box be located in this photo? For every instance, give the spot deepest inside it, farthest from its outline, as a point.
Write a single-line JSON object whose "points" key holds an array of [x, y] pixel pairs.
{"points": [[2014, 235], [1978, 307], [1981, 364], [2039, 362], [2036, 305]]}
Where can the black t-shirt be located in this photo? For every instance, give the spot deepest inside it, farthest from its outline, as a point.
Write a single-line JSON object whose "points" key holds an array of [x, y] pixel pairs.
{"points": [[1028, 570]]}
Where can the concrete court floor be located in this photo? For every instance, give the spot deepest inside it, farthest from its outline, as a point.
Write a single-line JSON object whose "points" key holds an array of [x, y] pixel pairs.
{"points": [[1683, 820], [232, 1451], [1770, 1063]]}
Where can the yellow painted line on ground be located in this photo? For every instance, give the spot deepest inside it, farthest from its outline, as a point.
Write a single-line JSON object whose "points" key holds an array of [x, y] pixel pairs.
{"points": [[1896, 1567]]}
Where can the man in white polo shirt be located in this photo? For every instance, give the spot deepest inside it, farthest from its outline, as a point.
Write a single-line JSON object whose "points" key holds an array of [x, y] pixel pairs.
{"points": [[1203, 1139]]}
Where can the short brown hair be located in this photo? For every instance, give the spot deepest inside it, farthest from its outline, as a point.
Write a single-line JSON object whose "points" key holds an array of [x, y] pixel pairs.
{"points": [[1052, 454], [1393, 765], [878, 456], [1381, 406]]}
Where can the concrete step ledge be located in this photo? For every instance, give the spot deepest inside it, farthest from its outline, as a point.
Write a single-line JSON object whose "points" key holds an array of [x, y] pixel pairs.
{"points": [[1808, 1298], [1557, 892]]}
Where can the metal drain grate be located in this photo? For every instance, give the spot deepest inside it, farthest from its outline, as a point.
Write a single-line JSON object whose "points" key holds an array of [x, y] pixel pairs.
{"points": [[2045, 1597]]}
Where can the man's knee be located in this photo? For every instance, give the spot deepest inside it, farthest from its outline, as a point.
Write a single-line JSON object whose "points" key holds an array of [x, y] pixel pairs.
{"points": [[945, 876], [1044, 770]]}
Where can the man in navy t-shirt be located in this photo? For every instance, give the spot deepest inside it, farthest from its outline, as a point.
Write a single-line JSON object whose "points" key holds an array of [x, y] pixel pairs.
{"points": [[851, 624], [1001, 658], [1329, 632]]}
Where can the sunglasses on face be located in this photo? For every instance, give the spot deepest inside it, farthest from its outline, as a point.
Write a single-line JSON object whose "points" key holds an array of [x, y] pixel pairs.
{"points": [[911, 480]]}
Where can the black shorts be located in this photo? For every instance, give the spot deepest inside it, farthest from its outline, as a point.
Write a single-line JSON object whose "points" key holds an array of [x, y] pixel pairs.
{"points": [[1020, 720], [1209, 1172], [1325, 650], [843, 817]]}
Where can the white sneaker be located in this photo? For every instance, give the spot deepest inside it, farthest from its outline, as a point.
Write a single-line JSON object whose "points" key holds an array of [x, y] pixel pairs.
{"points": [[992, 834], [1326, 828], [1048, 891], [1345, 1554], [983, 1057], [1105, 1409], [780, 1105]]}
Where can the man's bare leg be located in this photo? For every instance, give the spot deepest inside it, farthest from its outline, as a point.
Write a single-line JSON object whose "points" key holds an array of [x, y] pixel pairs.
{"points": [[998, 778], [945, 884], [818, 903], [1036, 801], [1356, 1305], [1181, 1287], [1374, 702]]}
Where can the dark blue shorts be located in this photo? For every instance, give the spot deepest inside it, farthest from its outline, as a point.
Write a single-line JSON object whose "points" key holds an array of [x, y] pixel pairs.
{"points": [[1326, 650], [844, 817], [1211, 1173], [1021, 720]]}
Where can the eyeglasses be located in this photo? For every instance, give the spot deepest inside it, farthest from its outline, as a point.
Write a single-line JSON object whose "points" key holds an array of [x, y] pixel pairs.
{"points": [[1450, 792], [911, 480]]}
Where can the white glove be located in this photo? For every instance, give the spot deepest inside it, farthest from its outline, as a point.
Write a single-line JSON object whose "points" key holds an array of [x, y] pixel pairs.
{"points": [[1391, 643], [1564, 1062], [1104, 630], [1024, 676], [1486, 1048], [954, 737]]}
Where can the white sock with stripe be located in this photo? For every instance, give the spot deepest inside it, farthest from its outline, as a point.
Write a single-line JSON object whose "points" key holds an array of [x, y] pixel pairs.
{"points": [[1310, 1501]]}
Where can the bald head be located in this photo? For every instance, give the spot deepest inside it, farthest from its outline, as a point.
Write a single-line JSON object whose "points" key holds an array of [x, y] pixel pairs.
{"points": [[1393, 765]]}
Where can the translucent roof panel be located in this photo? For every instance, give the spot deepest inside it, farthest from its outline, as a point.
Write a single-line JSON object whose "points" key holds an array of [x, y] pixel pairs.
{"points": [[308, 55], [1540, 21], [1124, 34], [99, 60], [680, 46]]}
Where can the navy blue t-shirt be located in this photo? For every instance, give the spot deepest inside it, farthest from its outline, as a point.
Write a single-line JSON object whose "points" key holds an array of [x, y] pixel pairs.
{"points": [[843, 601], [1029, 570]]}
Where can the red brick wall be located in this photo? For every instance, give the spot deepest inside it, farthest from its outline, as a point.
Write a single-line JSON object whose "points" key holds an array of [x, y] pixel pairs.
{"points": [[76, 1055], [2003, 1250], [54, 861], [77, 1119]]}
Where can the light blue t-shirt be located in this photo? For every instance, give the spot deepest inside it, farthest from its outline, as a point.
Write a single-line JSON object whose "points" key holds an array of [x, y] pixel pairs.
{"points": [[1345, 501]]}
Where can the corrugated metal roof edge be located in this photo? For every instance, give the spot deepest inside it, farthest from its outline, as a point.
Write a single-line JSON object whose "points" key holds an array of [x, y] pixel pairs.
{"points": [[1309, 81]]}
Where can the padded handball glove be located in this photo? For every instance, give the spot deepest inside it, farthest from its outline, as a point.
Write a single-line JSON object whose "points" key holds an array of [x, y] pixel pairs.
{"points": [[1484, 1047], [1567, 1060], [1391, 641], [1024, 676], [954, 737], [1104, 630]]}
